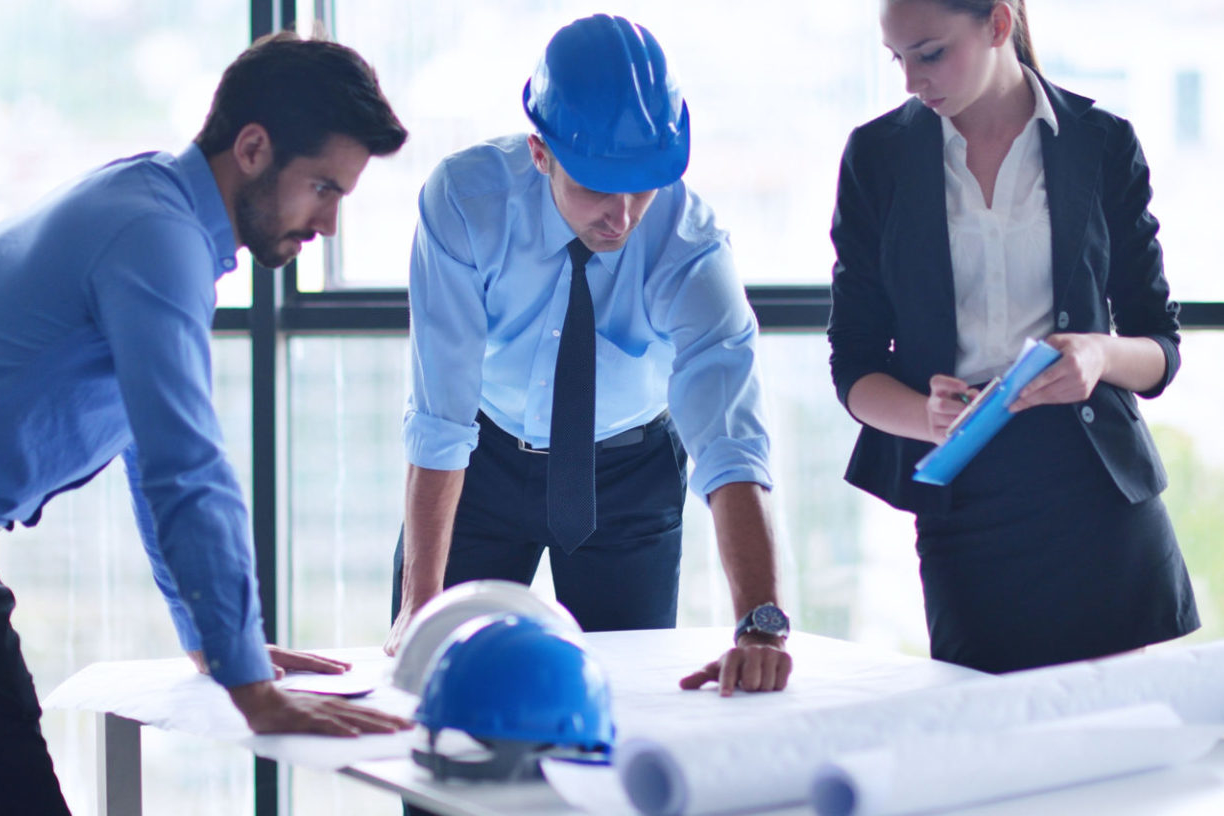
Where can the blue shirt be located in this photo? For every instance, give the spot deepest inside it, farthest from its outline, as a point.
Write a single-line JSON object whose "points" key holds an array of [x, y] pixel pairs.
{"points": [[489, 288], [107, 293]]}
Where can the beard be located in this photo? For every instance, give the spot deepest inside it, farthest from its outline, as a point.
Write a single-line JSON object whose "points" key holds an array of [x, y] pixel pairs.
{"points": [[257, 216]]}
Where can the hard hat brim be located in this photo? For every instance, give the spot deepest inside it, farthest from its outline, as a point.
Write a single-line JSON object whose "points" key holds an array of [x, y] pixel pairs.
{"points": [[631, 173]]}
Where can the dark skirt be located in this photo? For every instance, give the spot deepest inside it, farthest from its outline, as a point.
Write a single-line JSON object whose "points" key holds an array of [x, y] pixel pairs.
{"points": [[1042, 560]]}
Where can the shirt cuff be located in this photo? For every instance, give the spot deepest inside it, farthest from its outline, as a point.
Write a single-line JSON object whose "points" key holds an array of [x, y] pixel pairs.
{"points": [[239, 659], [438, 444], [731, 460]]}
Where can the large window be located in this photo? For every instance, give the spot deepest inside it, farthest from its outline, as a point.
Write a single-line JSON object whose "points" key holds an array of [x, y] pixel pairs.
{"points": [[774, 89], [87, 81]]}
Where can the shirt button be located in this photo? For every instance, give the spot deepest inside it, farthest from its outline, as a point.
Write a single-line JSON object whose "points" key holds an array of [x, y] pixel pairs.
{"points": [[1087, 413], [195, 595], [543, 382], [556, 333], [228, 263], [1064, 320], [215, 664]]}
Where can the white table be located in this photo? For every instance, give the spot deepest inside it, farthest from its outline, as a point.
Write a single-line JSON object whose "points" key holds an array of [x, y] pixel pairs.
{"points": [[644, 668]]}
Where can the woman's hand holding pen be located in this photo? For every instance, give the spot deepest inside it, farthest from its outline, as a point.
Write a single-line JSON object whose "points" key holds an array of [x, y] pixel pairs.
{"points": [[1072, 378], [948, 397]]}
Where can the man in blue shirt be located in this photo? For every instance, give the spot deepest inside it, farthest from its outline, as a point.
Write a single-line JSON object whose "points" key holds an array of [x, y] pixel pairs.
{"points": [[576, 256], [106, 303]]}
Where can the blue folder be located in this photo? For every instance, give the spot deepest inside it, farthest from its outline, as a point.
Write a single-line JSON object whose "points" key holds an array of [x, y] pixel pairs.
{"points": [[986, 418]]}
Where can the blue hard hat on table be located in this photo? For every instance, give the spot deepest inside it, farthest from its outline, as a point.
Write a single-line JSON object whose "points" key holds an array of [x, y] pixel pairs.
{"points": [[510, 678], [608, 108]]}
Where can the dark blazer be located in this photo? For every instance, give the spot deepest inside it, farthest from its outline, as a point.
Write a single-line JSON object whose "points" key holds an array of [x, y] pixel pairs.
{"points": [[894, 310]]}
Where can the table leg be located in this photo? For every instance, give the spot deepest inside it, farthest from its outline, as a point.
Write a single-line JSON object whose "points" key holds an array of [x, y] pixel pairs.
{"points": [[118, 766]]}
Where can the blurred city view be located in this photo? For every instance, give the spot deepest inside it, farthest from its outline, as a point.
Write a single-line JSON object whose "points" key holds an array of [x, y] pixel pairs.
{"points": [[774, 88]]}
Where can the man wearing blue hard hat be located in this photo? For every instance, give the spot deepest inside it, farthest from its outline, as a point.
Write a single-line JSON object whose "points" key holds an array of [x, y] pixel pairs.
{"points": [[578, 330]]}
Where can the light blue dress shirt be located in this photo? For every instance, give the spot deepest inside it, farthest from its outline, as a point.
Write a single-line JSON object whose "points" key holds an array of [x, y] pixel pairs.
{"points": [[488, 290], [107, 294]]}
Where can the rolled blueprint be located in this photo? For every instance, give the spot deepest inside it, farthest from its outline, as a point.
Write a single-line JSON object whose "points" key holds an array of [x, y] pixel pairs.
{"points": [[949, 770], [771, 762]]}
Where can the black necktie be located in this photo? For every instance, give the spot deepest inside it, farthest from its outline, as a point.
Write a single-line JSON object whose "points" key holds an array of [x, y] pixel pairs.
{"points": [[571, 441]]}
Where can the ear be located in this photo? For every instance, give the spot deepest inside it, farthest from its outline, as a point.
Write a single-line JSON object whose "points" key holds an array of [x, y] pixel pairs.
{"points": [[252, 150], [1001, 21], [541, 157]]}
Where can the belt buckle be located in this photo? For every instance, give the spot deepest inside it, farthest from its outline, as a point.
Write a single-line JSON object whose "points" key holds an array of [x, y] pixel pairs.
{"points": [[525, 447]]}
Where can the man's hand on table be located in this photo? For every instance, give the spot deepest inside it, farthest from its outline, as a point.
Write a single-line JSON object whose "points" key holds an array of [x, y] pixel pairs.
{"points": [[268, 710], [757, 663], [398, 629], [287, 660]]}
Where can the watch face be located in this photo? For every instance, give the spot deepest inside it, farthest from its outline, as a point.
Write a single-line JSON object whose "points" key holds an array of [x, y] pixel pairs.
{"points": [[769, 619]]}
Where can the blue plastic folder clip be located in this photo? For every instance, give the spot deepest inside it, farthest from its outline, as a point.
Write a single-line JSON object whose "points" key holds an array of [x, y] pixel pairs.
{"points": [[985, 418]]}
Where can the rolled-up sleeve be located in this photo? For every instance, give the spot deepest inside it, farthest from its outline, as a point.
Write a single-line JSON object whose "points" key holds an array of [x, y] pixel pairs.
{"points": [[447, 335], [152, 295], [1138, 291], [714, 391]]}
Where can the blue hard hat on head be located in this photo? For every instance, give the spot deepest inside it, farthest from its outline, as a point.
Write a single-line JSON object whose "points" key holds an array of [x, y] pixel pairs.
{"points": [[607, 106], [523, 688]]}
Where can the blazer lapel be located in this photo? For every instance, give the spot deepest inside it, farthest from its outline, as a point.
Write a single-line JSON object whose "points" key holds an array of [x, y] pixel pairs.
{"points": [[924, 203], [1072, 162]]}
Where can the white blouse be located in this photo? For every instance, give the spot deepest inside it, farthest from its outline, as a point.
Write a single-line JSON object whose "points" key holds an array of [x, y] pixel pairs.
{"points": [[1001, 255]]}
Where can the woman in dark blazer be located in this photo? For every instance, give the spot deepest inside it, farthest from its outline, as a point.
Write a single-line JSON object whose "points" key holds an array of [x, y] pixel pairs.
{"points": [[989, 206]]}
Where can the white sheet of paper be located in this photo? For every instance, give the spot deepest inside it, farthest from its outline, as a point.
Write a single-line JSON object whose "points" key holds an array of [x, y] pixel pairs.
{"points": [[172, 695]]}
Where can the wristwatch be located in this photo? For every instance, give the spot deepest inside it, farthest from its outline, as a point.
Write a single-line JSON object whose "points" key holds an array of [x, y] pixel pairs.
{"points": [[767, 619]]}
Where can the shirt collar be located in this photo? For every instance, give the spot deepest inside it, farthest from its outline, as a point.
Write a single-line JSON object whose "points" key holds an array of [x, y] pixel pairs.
{"points": [[557, 233], [1042, 110], [210, 209]]}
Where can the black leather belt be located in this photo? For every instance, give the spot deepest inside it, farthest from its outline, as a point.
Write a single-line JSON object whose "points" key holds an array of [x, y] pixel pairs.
{"points": [[624, 439]]}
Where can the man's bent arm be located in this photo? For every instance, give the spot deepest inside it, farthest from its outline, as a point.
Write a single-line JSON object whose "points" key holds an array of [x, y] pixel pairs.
{"points": [[745, 536], [430, 500]]}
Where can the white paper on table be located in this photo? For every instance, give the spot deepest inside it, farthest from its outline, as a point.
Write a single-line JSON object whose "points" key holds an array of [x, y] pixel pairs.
{"points": [[647, 700], [172, 695], [169, 694], [724, 767], [943, 771], [594, 788], [328, 753]]}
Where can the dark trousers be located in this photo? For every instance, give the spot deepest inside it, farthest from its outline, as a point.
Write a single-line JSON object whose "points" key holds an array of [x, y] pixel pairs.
{"points": [[625, 576], [27, 779]]}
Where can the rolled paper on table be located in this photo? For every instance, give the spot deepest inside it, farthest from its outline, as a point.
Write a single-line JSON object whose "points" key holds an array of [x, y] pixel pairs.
{"points": [[945, 771], [762, 762]]}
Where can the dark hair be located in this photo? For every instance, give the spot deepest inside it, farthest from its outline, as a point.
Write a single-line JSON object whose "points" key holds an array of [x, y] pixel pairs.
{"points": [[302, 92], [1022, 38]]}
